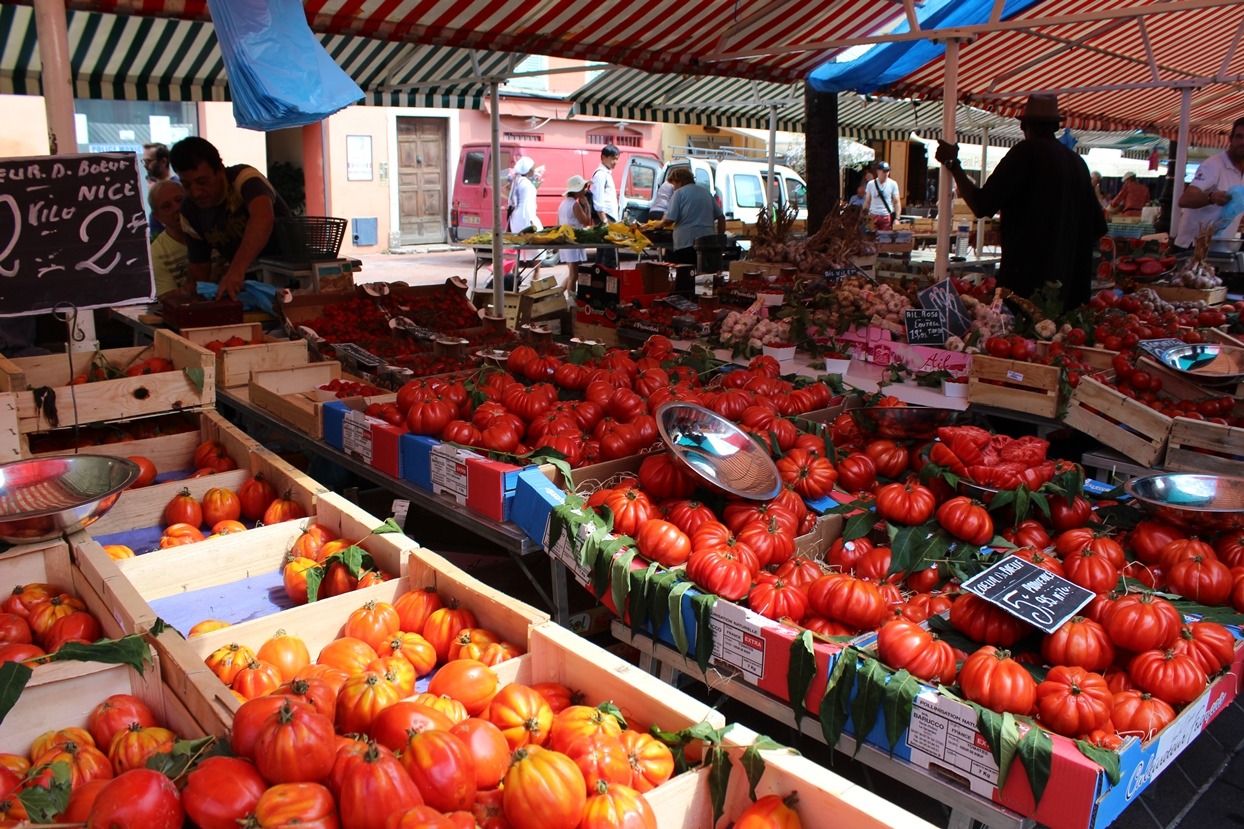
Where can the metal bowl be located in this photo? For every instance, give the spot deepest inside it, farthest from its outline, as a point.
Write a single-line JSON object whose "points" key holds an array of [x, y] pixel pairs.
{"points": [[718, 451], [1204, 503], [906, 422], [41, 498], [1209, 363]]}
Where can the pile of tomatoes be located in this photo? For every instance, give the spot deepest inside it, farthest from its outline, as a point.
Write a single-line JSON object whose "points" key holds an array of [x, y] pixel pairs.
{"points": [[218, 346], [38, 618], [142, 429], [101, 369], [318, 548], [1133, 380], [342, 389], [105, 763], [1020, 348]]}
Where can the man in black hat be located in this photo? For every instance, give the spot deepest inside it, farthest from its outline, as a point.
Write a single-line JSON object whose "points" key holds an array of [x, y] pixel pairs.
{"points": [[1051, 220]]}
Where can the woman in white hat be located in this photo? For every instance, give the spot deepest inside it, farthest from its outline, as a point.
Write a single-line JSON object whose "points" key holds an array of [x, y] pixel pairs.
{"points": [[523, 213], [575, 211]]}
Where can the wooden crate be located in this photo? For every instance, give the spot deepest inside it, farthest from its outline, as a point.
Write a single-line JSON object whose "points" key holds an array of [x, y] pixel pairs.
{"points": [[604, 334], [1199, 446], [234, 364], [1014, 384], [107, 400], [320, 623], [214, 568], [293, 394], [1177, 293]]}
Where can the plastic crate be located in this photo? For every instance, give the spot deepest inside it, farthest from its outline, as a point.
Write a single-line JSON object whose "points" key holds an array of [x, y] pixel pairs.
{"points": [[309, 238]]}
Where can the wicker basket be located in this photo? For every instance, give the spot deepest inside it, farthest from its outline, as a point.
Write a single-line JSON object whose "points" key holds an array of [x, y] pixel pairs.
{"points": [[309, 238]]}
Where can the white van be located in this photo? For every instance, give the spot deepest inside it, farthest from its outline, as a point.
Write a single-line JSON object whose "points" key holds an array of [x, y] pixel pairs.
{"points": [[739, 185]]}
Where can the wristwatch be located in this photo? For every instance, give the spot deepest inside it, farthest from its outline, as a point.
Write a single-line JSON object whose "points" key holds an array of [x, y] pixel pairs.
{"points": [[953, 164]]}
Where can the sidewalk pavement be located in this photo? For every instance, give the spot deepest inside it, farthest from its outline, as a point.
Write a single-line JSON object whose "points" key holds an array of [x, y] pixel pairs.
{"points": [[429, 265]]}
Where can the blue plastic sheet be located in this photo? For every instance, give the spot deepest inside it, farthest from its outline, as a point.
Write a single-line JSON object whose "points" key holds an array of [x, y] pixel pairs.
{"points": [[279, 74], [1231, 209], [254, 296]]}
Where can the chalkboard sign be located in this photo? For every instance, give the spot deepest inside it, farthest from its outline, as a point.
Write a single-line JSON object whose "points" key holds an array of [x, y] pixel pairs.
{"points": [[943, 297], [361, 357], [839, 274], [680, 303], [924, 326], [1156, 347], [1026, 591], [72, 227]]}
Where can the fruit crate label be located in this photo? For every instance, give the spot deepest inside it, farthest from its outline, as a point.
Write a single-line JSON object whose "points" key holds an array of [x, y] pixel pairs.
{"points": [[566, 553], [356, 435], [738, 639], [1017, 376], [1175, 737], [359, 356], [943, 735], [449, 471], [417, 331], [1026, 591], [611, 284], [1156, 347]]}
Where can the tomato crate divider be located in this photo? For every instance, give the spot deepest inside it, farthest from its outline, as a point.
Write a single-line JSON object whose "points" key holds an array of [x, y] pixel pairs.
{"points": [[122, 398], [293, 394], [319, 623], [234, 364], [131, 585]]}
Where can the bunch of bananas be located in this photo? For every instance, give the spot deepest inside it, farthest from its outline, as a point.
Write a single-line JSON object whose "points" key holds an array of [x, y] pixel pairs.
{"points": [[628, 236], [563, 235]]}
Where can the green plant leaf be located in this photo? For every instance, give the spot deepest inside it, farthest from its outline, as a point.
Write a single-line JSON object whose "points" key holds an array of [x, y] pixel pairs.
{"points": [[196, 377], [913, 548], [13, 679], [1036, 752], [678, 624], [315, 575], [838, 688], [613, 711], [896, 705], [129, 650], [187, 754], [800, 672], [718, 780], [659, 597], [1107, 759], [1002, 498], [389, 526], [619, 579], [858, 526], [44, 804], [754, 766], [159, 626], [637, 600], [702, 604], [869, 691]]}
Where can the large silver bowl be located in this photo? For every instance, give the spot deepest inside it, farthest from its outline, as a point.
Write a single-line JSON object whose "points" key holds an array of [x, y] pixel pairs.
{"points": [[41, 498], [1206, 363], [1204, 503], [906, 422], [718, 451]]}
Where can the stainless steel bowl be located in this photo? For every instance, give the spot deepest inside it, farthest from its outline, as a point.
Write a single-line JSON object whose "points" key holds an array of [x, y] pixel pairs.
{"points": [[718, 451], [41, 498], [906, 422], [1209, 363], [1204, 503]]}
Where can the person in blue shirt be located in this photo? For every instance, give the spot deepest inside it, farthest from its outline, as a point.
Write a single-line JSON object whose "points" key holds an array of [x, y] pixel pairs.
{"points": [[693, 213]]}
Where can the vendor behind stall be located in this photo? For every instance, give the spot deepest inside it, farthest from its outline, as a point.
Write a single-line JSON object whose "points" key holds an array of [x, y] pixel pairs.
{"points": [[693, 213], [1132, 197], [230, 210]]}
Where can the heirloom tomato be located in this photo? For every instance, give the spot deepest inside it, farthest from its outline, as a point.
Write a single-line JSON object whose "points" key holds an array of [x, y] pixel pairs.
{"points": [[294, 744], [1072, 701], [220, 504], [966, 519], [990, 677], [983, 622], [662, 542], [522, 715], [1208, 643], [616, 806], [1204, 580], [1141, 622], [183, 509], [1172, 677], [138, 799], [305, 805], [373, 788], [489, 751], [907, 645], [1139, 714], [1149, 537], [543, 789], [905, 503], [469, 681], [775, 598], [854, 602], [1080, 642], [442, 768]]}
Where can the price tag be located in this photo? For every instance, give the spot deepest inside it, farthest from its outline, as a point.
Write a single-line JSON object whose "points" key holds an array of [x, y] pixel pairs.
{"points": [[680, 303], [358, 355], [1028, 592], [924, 326], [356, 435], [449, 471], [738, 640], [839, 274], [400, 509], [1017, 376], [1157, 347], [416, 331]]}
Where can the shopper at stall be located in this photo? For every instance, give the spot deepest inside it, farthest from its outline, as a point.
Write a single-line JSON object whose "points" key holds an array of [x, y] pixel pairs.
{"points": [[661, 201], [522, 213], [1131, 198], [1102, 198], [169, 257], [1202, 200], [605, 200], [881, 198], [1051, 220], [575, 211], [860, 198], [230, 210], [693, 213], [156, 163]]}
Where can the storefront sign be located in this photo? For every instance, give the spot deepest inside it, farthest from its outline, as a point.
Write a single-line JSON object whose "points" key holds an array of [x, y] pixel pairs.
{"points": [[1026, 591], [924, 326], [72, 227]]}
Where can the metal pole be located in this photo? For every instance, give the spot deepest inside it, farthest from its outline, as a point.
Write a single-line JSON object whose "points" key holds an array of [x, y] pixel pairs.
{"points": [[498, 264], [1181, 159], [950, 97], [774, 190], [980, 223]]}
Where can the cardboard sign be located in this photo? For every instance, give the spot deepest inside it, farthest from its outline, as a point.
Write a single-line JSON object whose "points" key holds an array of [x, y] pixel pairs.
{"points": [[72, 227], [943, 297], [839, 274], [1029, 592], [924, 326], [680, 303], [1157, 347]]}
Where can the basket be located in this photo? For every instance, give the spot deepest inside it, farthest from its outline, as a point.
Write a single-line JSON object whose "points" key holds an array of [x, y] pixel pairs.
{"points": [[309, 238]]}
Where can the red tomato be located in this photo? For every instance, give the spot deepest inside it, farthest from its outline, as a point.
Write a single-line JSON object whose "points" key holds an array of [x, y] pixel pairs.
{"points": [[137, 799]]}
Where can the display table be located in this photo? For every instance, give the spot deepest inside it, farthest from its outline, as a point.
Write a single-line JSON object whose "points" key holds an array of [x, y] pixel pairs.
{"points": [[483, 258]]}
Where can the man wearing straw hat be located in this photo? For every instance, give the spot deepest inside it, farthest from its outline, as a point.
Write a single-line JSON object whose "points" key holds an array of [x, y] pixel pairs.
{"points": [[1051, 220]]}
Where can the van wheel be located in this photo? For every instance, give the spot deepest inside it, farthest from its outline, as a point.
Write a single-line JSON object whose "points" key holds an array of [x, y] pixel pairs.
{"points": [[550, 259]]}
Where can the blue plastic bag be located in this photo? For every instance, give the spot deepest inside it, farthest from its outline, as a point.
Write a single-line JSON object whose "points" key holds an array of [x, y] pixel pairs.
{"points": [[254, 296], [1231, 209], [279, 74]]}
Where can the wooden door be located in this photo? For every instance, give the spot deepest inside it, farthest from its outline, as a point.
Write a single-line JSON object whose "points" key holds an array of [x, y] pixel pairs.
{"points": [[422, 181]]}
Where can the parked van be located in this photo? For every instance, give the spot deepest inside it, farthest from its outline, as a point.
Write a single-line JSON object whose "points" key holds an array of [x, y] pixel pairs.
{"points": [[637, 177], [739, 185]]}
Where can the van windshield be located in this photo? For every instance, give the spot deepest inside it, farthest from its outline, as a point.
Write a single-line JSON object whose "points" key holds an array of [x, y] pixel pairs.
{"points": [[473, 167]]}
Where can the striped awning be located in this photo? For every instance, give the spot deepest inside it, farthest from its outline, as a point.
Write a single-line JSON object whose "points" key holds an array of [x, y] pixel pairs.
{"points": [[1111, 74], [144, 58], [682, 37]]}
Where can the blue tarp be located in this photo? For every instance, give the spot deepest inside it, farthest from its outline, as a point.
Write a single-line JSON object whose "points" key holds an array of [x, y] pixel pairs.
{"points": [[888, 62]]}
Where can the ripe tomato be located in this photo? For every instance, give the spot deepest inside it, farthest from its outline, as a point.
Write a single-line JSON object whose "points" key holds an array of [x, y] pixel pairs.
{"points": [[810, 476], [213, 455], [1140, 714], [133, 747], [256, 679], [415, 606], [904, 644], [983, 622], [255, 495], [652, 762], [183, 509], [1209, 644], [305, 805], [966, 520], [178, 535], [220, 504], [443, 626], [146, 471], [1172, 677], [602, 759], [857, 472], [990, 677], [854, 602], [411, 647], [1204, 580], [374, 788], [375, 623], [488, 748], [1066, 515], [1080, 642], [663, 542], [221, 791], [115, 714], [228, 660], [1141, 621], [543, 790], [294, 745], [905, 503], [615, 805], [288, 653], [1091, 571], [283, 509], [726, 570], [1073, 701], [631, 507], [774, 598], [443, 769], [138, 799], [769, 812], [469, 681]]}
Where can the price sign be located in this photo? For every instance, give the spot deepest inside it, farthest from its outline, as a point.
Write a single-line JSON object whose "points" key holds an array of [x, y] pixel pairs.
{"points": [[358, 355], [72, 227], [943, 297], [1029, 592], [680, 303], [839, 274], [1157, 347], [924, 326], [416, 331]]}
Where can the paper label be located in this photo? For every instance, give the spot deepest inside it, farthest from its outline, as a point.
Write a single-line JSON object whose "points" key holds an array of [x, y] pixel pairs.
{"points": [[400, 509], [945, 737], [563, 551], [1017, 376], [611, 284], [356, 435], [449, 471], [738, 640]]}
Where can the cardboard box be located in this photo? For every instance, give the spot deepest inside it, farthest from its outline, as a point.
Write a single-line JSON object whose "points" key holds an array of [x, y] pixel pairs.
{"points": [[234, 364], [190, 385], [877, 345], [369, 439]]}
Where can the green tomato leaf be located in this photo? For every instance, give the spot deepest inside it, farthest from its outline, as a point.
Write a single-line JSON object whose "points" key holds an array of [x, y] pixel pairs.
{"points": [[637, 601], [619, 579], [44, 804], [196, 376], [389, 526], [659, 597], [800, 672], [703, 604], [914, 548], [1002, 498], [834, 705], [900, 695], [869, 692], [1107, 759], [128, 650], [678, 624], [315, 576], [613, 711], [13, 679], [858, 526], [1036, 752], [718, 780], [187, 754], [754, 766]]}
